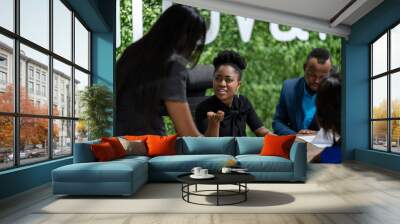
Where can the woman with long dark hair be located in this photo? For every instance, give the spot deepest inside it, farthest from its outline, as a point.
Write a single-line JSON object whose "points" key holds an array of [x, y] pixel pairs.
{"points": [[328, 105], [152, 73]]}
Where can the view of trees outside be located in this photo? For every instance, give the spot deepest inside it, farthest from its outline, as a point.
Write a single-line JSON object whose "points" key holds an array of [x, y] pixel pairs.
{"points": [[380, 90], [270, 61], [33, 131]]}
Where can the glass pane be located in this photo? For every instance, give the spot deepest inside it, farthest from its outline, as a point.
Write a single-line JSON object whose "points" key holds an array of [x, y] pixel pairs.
{"points": [[7, 14], [62, 89], [34, 97], [35, 21], [81, 131], [33, 140], [379, 135], [6, 74], [62, 29], [379, 97], [6, 142], [379, 55], [395, 47], [81, 45], [395, 95], [62, 138], [395, 138], [81, 81]]}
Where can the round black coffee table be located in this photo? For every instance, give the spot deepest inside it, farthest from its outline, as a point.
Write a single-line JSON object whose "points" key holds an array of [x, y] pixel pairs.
{"points": [[238, 179]]}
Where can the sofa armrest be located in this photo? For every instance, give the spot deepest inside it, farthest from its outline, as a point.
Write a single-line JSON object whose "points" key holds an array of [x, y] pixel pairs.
{"points": [[83, 152], [298, 155]]}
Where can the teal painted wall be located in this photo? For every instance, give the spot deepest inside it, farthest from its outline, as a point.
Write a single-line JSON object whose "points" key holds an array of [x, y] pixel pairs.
{"points": [[100, 17], [356, 99], [24, 178]]}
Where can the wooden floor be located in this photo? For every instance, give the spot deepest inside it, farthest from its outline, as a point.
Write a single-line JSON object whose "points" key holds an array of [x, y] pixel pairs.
{"points": [[377, 188]]}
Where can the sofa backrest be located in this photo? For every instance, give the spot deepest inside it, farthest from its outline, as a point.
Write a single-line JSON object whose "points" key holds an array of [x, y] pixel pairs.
{"points": [[206, 145], [83, 153], [249, 145]]}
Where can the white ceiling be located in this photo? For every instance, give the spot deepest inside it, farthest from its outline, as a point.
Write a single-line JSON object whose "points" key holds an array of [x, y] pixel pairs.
{"points": [[316, 15]]}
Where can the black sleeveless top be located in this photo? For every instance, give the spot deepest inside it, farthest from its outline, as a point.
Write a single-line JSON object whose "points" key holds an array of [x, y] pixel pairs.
{"points": [[236, 117]]}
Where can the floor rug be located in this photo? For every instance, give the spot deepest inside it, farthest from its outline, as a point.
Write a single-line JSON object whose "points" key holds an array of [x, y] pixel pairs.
{"points": [[167, 198]]}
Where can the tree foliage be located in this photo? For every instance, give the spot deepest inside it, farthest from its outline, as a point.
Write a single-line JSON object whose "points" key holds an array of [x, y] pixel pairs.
{"points": [[33, 131], [96, 103], [270, 61]]}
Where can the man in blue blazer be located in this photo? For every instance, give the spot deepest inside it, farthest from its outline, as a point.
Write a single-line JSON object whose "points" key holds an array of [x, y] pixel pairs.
{"points": [[295, 112]]}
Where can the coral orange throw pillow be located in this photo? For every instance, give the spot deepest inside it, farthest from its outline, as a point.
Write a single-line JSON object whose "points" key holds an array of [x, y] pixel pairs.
{"points": [[116, 145], [136, 137], [277, 145], [161, 145], [103, 152]]}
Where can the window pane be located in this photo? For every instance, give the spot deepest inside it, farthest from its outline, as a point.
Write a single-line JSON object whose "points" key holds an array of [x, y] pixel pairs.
{"points": [[81, 81], [395, 47], [7, 14], [34, 97], [379, 55], [379, 97], [379, 135], [62, 29], [33, 140], [81, 45], [6, 74], [81, 131], [395, 95], [35, 21], [6, 142], [395, 138], [62, 89], [62, 138]]}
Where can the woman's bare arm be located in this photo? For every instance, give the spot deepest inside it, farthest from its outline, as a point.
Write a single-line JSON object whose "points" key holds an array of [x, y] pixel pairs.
{"points": [[183, 120], [262, 131]]}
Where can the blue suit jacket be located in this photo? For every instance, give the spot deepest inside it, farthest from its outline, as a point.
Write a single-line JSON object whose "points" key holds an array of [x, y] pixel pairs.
{"points": [[289, 115]]}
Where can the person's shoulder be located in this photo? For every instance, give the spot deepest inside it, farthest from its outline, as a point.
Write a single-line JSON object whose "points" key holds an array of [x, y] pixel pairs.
{"points": [[245, 102], [243, 99], [293, 81], [177, 66]]}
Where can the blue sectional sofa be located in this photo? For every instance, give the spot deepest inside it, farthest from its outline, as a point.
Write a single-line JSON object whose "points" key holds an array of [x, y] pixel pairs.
{"points": [[125, 176]]}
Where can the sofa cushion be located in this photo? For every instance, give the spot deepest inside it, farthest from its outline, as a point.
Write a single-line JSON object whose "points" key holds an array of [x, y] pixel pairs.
{"points": [[277, 145], [103, 152], [257, 163], [161, 145], [116, 145], [185, 163], [112, 171], [249, 145], [207, 145], [83, 152], [134, 147]]}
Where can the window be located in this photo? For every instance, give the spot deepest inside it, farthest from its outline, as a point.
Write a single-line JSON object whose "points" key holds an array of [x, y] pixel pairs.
{"points": [[43, 77], [43, 90], [30, 72], [38, 89], [37, 74], [7, 14], [3, 71], [385, 95], [3, 61], [55, 127], [30, 87], [3, 78]]}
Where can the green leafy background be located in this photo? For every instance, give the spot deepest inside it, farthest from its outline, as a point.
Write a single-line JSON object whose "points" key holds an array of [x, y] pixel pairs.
{"points": [[269, 61]]}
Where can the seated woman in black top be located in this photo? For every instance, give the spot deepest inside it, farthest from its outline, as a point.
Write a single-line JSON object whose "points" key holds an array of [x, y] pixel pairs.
{"points": [[237, 110]]}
